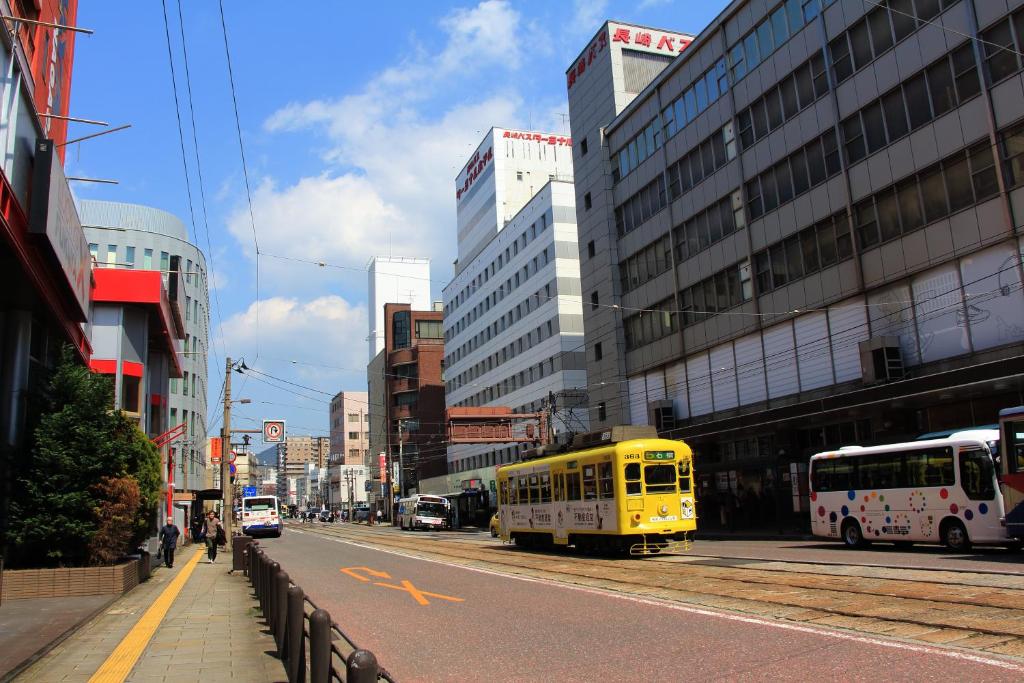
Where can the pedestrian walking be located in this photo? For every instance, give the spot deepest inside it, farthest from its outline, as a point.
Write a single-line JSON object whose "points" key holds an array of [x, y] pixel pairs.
{"points": [[211, 529], [169, 533]]}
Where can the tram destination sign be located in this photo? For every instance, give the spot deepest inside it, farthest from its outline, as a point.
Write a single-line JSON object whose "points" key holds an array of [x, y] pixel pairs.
{"points": [[659, 455]]}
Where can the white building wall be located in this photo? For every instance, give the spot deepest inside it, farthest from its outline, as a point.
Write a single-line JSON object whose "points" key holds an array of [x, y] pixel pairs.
{"points": [[395, 280], [973, 302], [504, 172], [481, 320]]}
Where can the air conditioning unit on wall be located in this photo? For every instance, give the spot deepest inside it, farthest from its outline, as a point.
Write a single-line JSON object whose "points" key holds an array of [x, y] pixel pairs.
{"points": [[881, 360], [661, 414]]}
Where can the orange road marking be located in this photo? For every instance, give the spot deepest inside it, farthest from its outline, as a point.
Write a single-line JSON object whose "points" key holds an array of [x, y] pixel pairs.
{"points": [[353, 572], [418, 595]]}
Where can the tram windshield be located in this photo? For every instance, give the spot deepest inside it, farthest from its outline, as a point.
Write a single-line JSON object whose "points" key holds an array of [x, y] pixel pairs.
{"points": [[660, 478]]}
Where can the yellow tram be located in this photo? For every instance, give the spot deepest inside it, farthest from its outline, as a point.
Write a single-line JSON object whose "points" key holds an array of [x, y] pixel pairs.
{"points": [[632, 495]]}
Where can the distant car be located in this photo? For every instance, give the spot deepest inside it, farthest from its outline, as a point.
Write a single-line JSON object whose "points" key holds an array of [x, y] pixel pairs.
{"points": [[494, 525], [361, 514], [326, 516]]}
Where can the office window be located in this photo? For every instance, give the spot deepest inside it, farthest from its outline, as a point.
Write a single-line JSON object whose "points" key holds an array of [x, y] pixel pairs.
{"points": [[165, 261], [94, 252], [147, 259], [129, 257], [429, 329], [111, 256]]}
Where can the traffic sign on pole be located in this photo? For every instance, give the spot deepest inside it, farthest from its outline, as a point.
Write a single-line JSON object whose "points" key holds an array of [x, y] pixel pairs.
{"points": [[273, 431], [233, 456]]}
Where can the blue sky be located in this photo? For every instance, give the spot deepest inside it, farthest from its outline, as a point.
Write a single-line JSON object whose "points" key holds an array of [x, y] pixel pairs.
{"points": [[355, 117]]}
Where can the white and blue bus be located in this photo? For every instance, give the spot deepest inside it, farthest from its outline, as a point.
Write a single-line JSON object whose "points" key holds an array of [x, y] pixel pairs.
{"points": [[423, 512], [934, 491], [261, 515]]}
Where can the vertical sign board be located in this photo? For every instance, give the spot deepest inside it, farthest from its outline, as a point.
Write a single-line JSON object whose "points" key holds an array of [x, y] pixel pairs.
{"points": [[382, 461], [273, 431], [51, 62], [53, 218], [215, 449]]}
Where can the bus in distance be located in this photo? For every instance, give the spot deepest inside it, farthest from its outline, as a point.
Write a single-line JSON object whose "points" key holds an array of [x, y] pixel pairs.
{"points": [[261, 515], [938, 491], [423, 512]]}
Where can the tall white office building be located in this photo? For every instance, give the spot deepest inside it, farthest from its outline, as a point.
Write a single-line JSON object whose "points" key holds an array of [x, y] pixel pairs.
{"points": [[395, 280], [513, 312]]}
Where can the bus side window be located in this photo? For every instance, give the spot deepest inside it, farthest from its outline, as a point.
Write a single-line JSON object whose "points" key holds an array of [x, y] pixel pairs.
{"points": [[545, 488], [605, 484], [821, 475], [684, 476], [589, 482], [633, 487], [572, 486]]}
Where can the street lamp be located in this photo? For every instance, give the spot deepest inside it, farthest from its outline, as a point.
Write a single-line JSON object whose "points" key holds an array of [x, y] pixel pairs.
{"points": [[227, 491]]}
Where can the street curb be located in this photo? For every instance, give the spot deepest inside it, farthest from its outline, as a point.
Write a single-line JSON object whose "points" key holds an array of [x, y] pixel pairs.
{"points": [[714, 536], [44, 649]]}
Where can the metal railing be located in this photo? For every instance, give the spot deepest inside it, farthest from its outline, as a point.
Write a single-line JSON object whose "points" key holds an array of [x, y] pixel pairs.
{"points": [[310, 644]]}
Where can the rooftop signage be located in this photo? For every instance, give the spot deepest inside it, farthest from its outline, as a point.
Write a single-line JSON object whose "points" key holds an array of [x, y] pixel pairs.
{"points": [[648, 40]]}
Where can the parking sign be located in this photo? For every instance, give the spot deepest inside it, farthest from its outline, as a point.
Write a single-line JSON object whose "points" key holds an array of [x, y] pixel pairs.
{"points": [[273, 431], [248, 491]]}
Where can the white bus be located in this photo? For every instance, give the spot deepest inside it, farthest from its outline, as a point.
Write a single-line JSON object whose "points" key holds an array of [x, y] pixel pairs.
{"points": [[423, 512], [261, 515], [938, 491]]}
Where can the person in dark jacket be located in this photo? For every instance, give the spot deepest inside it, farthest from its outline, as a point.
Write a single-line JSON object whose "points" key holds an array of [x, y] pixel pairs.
{"points": [[169, 533]]}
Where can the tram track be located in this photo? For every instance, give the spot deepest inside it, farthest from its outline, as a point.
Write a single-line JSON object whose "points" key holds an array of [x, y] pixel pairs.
{"points": [[919, 604]]}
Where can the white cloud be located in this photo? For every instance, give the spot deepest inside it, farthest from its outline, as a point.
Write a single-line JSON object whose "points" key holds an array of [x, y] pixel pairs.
{"points": [[325, 331], [588, 15], [392, 167], [647, 4]]}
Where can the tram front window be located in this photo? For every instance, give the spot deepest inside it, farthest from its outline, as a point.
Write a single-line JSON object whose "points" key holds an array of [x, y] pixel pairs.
{"points": [[660, 478]]}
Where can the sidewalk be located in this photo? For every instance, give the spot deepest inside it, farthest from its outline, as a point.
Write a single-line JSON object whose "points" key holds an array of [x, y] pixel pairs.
{"points": [[210, 632]]}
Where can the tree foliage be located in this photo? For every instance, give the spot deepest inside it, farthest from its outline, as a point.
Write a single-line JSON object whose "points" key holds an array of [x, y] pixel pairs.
{"points": [[116, 515], [81, 443]]}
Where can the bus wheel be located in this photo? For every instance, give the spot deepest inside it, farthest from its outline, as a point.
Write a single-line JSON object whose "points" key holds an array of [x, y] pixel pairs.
{"points": [[954, 535], [852, 535]]}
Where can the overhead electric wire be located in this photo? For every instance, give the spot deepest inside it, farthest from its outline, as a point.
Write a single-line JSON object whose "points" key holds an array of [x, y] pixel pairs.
{"points": [[245, 171], [202, 189]]}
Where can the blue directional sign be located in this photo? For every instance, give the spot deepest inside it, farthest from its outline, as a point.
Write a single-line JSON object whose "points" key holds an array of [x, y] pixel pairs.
{"points": [[368, 486], [249, 491]]}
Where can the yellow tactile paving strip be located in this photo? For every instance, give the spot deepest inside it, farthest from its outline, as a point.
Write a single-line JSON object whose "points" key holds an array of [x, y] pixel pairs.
{"points": [[122, 660]]}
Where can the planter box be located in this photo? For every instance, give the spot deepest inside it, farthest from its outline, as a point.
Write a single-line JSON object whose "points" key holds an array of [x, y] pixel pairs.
{"points": [[59, 583]]}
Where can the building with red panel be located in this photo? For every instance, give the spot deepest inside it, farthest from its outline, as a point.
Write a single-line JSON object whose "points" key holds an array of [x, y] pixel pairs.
{"points": [[45, 275], [135, 330]]}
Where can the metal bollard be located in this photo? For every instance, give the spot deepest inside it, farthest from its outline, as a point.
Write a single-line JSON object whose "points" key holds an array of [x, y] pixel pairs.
{"points": [[319, 646], [280, 625], [295, 658], [270, 593], [361, 667]]}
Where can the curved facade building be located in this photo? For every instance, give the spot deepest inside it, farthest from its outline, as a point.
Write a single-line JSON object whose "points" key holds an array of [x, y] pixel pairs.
{"points": [[131, 236]]}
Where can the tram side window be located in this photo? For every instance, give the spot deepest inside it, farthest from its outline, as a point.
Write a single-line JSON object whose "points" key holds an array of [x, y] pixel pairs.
{"points": [[572, 486], [930, 467], [633, 479], [524, 490], [545, 488], [684, 476], [977, 474], [589, 482], [559, 487], [604, 480], [534, 488], [881, 471]]}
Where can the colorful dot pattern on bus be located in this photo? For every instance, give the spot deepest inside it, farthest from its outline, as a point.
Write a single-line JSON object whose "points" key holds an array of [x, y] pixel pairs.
{"points": [[879, 517]]}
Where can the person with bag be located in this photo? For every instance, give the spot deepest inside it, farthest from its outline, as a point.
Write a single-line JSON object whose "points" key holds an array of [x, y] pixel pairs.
{"points": [[213, 532], [169, 533]]}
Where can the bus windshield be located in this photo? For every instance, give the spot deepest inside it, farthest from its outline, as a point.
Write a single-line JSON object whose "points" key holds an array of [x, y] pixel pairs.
{"points": [[259, 504], [431, 509]]}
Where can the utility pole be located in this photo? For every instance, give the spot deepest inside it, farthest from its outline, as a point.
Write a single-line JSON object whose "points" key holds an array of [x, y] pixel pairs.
{"points": [[401, 461], [227, 490], [349, 480]]}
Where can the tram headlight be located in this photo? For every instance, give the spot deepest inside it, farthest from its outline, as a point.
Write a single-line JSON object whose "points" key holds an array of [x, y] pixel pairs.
{"points": [[664, 509], [687, 509]]}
